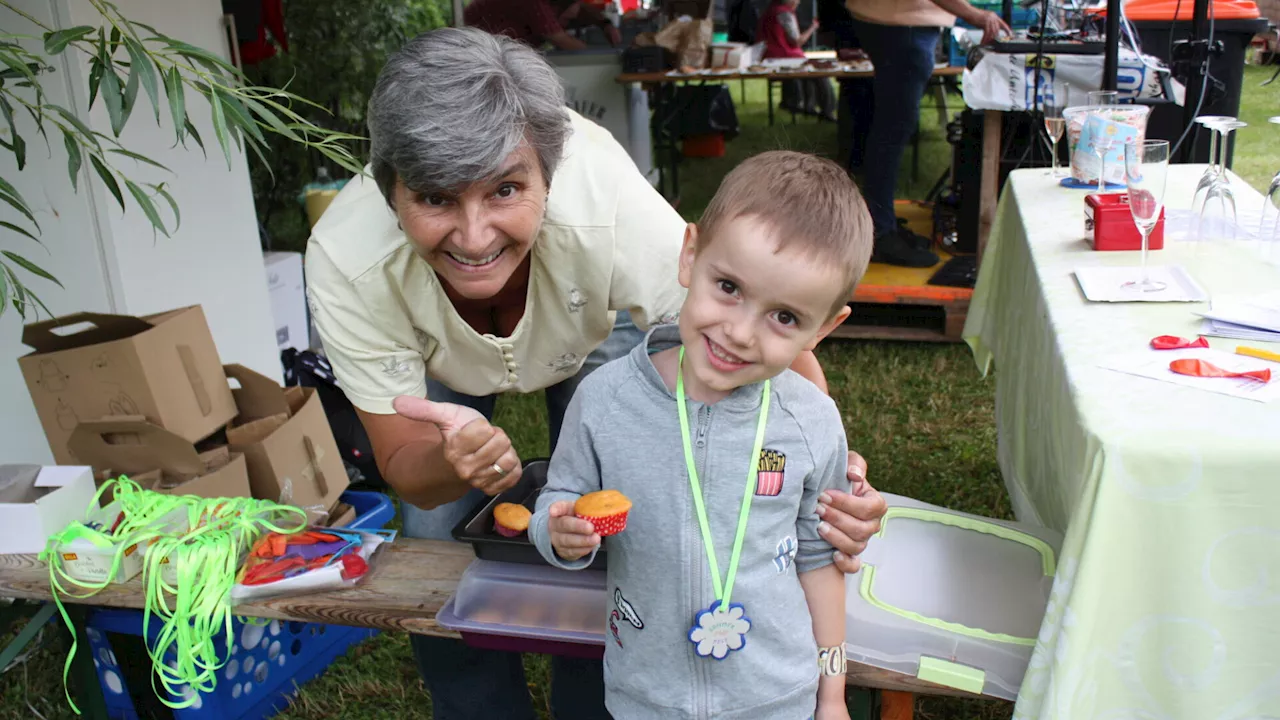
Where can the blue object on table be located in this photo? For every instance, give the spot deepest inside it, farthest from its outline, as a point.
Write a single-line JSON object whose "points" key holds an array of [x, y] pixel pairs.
{"points": [[1074, 184], [266, 660]]}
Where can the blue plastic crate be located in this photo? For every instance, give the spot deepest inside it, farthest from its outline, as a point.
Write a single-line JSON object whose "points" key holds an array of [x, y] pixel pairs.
{"points": [[267, 662]]}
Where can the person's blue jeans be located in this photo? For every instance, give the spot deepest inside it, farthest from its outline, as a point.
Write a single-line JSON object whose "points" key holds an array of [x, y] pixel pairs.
{"points": [[468, 683], [903, 58]]}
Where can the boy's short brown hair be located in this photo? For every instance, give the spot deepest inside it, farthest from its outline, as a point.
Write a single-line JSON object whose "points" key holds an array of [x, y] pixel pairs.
{"points": [[805, 199]]}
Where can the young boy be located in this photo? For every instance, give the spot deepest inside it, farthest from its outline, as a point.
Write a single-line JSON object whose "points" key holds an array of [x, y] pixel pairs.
{"points": [[723, 602]]}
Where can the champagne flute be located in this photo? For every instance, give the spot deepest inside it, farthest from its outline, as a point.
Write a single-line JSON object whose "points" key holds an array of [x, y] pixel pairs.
{"points": [[1054, 126], [1101, 142], [1146, 166]]}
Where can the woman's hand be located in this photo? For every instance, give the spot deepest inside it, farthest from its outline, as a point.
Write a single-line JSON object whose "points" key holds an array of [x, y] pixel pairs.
{"points": [[481, 454], [850, 519], [993, 26]]}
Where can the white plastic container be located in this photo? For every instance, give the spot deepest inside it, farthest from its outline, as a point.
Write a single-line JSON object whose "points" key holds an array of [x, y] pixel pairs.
{"points": [[952, 598]]}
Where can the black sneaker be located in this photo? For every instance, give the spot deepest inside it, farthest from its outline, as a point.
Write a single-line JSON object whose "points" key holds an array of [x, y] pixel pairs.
{"points": [[913, 239], [892, 248]]}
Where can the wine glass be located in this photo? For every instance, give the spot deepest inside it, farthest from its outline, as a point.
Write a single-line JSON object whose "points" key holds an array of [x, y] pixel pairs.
{"points": [[1054, 126], [1216, 215], [1101, 143], [1213, 124], [1146, 166], [1103, 97]]}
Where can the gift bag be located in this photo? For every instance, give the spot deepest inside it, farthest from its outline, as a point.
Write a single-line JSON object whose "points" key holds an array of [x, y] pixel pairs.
{"points": [[689, 39]]}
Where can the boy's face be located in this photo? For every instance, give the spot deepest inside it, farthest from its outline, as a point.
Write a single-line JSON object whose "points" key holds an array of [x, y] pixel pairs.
{"points": [[751, 310]]}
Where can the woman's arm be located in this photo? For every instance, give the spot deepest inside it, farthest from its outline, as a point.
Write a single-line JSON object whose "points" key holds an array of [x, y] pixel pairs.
{"points": [[410, 456], [807, 366]]}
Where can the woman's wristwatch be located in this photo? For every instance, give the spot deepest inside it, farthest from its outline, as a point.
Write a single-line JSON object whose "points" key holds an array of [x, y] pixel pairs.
{"points": [[831, 660]]}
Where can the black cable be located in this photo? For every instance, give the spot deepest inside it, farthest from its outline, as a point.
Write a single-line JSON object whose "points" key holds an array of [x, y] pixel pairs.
{"points": [[1204, 85]]}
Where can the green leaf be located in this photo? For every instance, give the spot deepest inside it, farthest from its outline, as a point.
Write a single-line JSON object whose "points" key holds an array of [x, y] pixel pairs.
{"points": [[115, 40], [31, 267], [130, 98], [114, 97], [14, 199], [220, 127], [19, 148], [87, 135], [239, 116], [57, 41], [36, 299], [139, 158], [19, 294], [4, 291], [74, 160], [177, 94], [143, 67], [107, 179], [20, 231], [215, 64], [271, 119], [95, 79], [173, 204], [18, 68], [191, 130], [148, 207], [7, 110]]}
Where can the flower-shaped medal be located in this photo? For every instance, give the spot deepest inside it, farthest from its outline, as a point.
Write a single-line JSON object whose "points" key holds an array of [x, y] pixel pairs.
{"points": [[721, 628]]}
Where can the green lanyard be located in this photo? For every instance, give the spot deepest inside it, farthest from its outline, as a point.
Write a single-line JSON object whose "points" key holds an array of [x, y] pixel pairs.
{"points": [[723, 592]]}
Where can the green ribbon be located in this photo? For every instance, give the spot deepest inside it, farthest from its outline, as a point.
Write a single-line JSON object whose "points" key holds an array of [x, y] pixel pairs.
{"points": [[723, 591]]}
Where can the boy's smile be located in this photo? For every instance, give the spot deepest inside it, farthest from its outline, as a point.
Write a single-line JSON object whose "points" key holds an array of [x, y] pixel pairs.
{"points": [[751, 308]]}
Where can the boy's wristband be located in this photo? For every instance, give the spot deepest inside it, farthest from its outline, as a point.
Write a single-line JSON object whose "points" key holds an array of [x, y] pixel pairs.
{"points": [[831, 660]]}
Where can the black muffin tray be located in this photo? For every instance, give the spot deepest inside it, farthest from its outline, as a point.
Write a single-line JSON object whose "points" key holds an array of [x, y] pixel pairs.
{"points": [[476, 527]]}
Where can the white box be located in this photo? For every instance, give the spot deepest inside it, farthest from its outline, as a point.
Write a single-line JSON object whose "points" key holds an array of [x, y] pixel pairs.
{"points": [[36, 502], [735, 55], [287, 288]]}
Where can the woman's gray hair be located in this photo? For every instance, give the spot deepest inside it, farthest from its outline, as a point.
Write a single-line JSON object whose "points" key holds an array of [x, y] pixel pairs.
{"points": [[451, 106]]}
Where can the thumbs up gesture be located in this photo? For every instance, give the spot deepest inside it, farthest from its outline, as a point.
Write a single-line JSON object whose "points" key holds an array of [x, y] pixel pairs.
{"points": [[480, 453]]}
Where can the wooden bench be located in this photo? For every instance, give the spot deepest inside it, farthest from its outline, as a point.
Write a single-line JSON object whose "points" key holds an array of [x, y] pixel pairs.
{"points": [[408, 584]]}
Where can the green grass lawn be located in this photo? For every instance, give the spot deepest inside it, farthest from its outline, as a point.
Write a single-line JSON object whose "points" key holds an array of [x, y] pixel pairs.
{"points": [[919, 413]]}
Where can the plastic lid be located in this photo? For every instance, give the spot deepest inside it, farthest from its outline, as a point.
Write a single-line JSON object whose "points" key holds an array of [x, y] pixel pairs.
{"points": [[1141, 10], [531, 601]]}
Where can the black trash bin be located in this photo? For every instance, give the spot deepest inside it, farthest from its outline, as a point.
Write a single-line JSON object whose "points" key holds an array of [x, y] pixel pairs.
{"points": [[1158, 29]]}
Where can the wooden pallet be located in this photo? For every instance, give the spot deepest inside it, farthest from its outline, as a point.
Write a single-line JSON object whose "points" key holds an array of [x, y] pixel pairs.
{"points": [[896, 303]]}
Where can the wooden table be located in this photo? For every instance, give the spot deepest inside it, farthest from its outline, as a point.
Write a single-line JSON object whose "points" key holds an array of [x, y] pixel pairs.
{"points": [[408, 584], [662, 90]]}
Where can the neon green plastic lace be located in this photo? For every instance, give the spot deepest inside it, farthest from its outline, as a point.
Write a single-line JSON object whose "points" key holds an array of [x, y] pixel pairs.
{"points": [[204, 551]]}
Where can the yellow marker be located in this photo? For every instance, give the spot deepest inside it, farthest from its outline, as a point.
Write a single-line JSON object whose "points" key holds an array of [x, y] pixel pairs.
{"points": [[1255, 352]]}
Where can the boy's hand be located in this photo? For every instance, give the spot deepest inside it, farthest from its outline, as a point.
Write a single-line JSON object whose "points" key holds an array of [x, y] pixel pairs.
{"points": [[571, 536], [481, 454]]}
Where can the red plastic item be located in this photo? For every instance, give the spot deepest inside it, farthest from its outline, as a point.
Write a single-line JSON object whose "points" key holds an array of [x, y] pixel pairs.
{"points": [[1173, 342], [1108, 224], [1169, 10], [1203, 368], [704, 146], [353, 566]]}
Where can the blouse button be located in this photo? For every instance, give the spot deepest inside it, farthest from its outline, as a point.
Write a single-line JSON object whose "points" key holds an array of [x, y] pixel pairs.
{"points": [[512, 377]]}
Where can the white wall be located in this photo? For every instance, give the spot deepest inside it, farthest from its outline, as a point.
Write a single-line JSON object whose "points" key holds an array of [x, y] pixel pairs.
{"points": [[109, 260]]}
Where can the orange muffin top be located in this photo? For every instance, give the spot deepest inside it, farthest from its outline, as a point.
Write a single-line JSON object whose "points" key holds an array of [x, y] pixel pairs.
{"points": [[601, 503], [513, 516]]}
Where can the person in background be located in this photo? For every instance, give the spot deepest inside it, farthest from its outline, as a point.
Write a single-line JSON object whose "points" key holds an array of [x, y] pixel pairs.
{"points": [[537, 22], [900, 37], [782, 38]]}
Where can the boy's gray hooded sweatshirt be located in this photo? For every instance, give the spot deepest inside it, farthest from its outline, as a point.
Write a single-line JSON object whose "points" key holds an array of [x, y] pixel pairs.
{"points": [[622, 431]]}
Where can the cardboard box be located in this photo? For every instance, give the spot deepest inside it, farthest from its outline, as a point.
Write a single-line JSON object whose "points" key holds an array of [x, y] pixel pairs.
{"points": [[288, 293], [736, 56], [37, 502], [159, 460], [286, 440], [163, 367]]}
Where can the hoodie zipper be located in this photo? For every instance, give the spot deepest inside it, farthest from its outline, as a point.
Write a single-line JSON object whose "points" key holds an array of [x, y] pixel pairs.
{"points": [[703, 692]]}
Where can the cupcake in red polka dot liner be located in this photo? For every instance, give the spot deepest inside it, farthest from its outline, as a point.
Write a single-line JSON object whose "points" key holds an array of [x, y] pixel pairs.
{"points": [[606, 510]]}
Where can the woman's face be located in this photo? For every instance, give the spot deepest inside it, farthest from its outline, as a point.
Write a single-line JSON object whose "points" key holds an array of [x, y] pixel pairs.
{"points": [[476, 240]]}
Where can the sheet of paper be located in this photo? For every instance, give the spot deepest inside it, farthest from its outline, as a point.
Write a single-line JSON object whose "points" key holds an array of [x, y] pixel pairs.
{"points": [[1154, 364], [1106, 284]]}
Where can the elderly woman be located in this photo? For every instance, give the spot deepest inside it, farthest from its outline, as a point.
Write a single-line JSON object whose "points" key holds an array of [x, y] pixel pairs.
{"points": [[503, 244]]}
